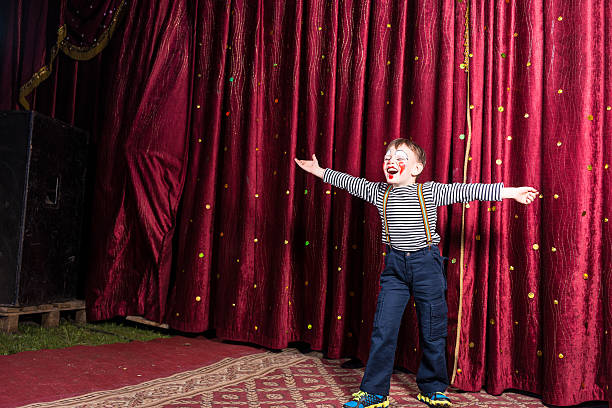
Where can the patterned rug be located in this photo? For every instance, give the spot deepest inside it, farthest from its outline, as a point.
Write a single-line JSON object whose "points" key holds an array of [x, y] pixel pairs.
{"points": [[270, 380]]}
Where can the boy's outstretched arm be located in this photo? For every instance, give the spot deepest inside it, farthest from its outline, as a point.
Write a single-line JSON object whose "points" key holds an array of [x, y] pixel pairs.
{"points": [[311, 166], [359, 187], [445, 194], [524, 195]]}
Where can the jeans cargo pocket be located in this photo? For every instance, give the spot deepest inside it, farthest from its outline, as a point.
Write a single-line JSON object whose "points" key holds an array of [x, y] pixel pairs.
{"points": [[438, 320]]}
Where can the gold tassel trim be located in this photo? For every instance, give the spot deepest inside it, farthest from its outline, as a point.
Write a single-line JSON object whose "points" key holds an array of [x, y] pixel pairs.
{"points": [[73, 51]]}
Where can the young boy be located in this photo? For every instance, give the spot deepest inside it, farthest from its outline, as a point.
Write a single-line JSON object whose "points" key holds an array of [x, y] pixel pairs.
{"points": [[413, 265]]}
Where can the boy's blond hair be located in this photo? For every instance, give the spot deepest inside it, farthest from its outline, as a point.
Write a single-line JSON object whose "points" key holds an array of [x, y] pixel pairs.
{"points": [[416, 149]]}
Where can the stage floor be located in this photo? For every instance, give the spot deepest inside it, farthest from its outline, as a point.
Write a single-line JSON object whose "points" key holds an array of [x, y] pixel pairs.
{"points": [[199, 372]]}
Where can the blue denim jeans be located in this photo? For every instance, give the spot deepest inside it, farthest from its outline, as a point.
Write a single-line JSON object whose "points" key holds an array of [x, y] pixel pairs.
{"points": [[421, 274]]}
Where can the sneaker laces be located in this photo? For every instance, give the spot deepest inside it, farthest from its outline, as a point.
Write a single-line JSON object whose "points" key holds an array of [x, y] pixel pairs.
{"points": [[357, 395]]}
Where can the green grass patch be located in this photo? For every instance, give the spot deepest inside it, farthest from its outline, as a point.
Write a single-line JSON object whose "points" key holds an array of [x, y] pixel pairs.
{"points": [[31, 336]]}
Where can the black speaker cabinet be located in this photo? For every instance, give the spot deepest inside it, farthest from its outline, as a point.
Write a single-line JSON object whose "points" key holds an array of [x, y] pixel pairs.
{"points": [[42, 184]]}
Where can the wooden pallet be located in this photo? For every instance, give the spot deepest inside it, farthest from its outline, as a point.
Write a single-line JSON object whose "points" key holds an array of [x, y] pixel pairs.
{"points": [[50, 313]]}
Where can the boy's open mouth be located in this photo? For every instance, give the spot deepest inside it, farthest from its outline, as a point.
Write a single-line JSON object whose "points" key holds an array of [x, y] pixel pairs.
{"points": [[392, 170]]}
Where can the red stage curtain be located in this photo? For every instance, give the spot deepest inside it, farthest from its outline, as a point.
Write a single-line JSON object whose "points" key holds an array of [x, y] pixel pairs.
{"points": [[203, 104]]}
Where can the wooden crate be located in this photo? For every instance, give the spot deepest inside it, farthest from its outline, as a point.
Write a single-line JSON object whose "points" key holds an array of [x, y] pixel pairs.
{"points": [[50, 314]]}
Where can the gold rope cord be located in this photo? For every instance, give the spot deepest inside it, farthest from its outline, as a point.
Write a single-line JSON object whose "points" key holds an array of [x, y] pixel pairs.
{"points": [[466, 60], [73, 51]]}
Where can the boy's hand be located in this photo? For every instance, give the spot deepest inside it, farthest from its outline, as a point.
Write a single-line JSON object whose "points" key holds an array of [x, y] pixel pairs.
{"points": [[311, 166], [524, 195]]}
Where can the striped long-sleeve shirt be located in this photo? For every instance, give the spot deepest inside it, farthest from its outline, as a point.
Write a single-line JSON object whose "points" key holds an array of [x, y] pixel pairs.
{"points": [[405, 222]]}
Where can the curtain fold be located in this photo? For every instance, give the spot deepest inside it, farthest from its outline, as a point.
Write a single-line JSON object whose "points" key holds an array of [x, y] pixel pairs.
{"points": [[202, 220], [141, 163]]}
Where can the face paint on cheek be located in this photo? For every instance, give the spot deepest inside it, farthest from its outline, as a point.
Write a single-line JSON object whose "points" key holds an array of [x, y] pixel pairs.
{"points": [[385, 171], [402, 167]]}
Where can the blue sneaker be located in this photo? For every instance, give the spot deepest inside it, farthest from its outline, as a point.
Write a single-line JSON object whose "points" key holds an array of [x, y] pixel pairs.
{"points": [[362, 399], [435, 399]]}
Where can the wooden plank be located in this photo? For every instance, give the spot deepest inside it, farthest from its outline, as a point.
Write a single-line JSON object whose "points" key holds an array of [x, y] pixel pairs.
{"points": [[15, 313], [78, 303], [9, 309], [142, 320], [62, 305], [71, 305], [26, 310]]}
